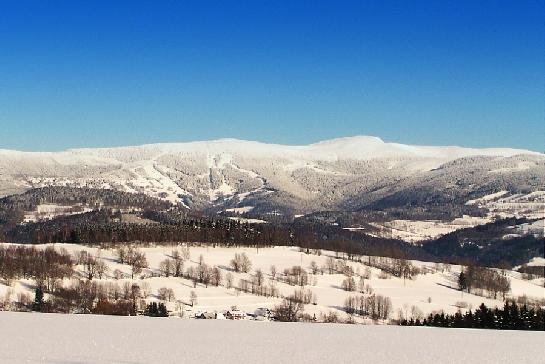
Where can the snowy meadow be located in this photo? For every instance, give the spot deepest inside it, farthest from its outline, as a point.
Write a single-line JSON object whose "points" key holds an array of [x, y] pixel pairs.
{"points": [[55, 338]]}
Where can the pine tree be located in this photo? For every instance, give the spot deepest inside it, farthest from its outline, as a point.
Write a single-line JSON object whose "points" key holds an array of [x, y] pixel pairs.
{"points": [[162, 310], [156, 310], [151, 309], [38, 300], [462, 281]]}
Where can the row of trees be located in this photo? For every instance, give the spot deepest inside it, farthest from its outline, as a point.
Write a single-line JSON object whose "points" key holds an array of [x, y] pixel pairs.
{"points": [[397, 267], [155, 309], [481, 280], [241, 263], [374, 306], [70, 196], [106, 226], [174, 265], [175, 224], [84, 296], [295, 276], [510, 317], [45, 266], [105, 298]]}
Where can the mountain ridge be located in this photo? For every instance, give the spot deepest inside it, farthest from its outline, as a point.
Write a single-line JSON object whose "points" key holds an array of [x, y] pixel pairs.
{"points": [[327, 142], [350, 173]]}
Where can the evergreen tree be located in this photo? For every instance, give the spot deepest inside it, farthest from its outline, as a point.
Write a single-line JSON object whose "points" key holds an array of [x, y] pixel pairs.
{"points": [[462, 281], [38, 300], [511, 317], [162, 310], [156, 310]]}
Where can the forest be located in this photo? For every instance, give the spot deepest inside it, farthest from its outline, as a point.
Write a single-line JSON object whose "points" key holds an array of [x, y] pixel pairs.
{"points": [[119, 217], [511, 317]]}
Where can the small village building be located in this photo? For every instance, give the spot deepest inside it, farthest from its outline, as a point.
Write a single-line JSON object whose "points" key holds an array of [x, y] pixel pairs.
{"points": [[235, 315]]}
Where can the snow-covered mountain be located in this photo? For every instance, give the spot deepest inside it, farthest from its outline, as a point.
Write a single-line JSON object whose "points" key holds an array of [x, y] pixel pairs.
{"points": [[340, 174]]}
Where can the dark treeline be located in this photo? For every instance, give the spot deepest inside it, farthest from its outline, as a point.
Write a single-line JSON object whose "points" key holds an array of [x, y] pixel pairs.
{"points": [[510, 317], [45, 266], [13, 207], [485, 245], [92, 197], [104, 227], [49, 267], [479, 280], [532, 271], [425, 203], [481, 245], [156, 310]]}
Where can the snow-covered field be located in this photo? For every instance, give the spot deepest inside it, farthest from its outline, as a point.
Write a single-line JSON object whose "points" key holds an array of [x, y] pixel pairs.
{"points": [[430, 292], [54, 338]]}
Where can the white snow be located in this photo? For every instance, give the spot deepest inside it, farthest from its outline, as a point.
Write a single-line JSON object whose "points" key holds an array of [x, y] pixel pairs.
{"points": [[249, 221], [240, 210], [52, 338], [220, 152], [537, 261], [223, 190]]}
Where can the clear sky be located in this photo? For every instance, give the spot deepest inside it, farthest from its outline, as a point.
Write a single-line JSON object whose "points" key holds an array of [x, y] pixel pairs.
{"points": [[108, 73]]}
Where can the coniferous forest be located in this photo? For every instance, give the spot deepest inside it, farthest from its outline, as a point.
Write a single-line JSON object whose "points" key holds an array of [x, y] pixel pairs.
{"points": [[511, 317], [119, 217]]}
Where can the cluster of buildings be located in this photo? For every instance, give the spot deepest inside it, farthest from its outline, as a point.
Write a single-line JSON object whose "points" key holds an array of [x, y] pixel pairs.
{"points": [[260, 314]]}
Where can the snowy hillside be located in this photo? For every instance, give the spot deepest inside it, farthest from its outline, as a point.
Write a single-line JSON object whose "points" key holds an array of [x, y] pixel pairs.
{"points": [[433, 289], [257, 178]]}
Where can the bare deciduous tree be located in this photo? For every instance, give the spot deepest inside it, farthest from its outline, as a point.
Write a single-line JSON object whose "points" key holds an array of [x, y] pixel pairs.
{"points": [[215, 276], [314, 267], [165, 267], [193, 298], [273, 272], [229, 280], [137, 260], [165, 294], [289, 310], [349, 284], [241, 263], [258, 277]]}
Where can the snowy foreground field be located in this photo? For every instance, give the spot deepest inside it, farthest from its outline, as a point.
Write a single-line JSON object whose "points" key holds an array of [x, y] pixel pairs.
{"points": [[56, 338]]}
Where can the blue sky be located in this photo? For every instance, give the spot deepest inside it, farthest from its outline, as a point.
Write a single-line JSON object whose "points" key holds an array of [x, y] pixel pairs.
{"points": [[107, 73]]}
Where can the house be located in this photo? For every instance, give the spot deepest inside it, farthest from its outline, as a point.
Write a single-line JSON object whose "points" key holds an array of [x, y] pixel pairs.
{"points": [[235, 314], [206, 315], [263, 312], [210, 316]]}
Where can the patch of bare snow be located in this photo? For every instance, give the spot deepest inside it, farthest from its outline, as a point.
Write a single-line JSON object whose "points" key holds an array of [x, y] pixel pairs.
{"points": [[240, 210]]}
